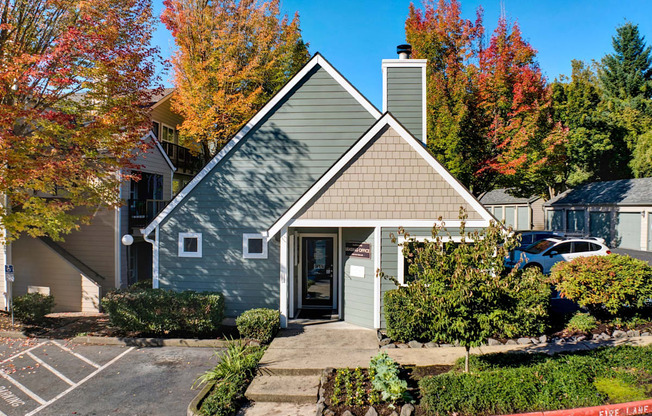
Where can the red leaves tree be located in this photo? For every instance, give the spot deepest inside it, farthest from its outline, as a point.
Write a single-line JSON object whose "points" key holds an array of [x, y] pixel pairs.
{"points": [[74, 94]]}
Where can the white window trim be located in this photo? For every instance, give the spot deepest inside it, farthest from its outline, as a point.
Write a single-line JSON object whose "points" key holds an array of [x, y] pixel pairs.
{"points": [[175, 132], [183, 253], [400, 272], [245, 246]]}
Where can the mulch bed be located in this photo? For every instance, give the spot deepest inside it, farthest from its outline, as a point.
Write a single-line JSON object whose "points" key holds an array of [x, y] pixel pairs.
{"points": [[69, 325], [411, 374]]}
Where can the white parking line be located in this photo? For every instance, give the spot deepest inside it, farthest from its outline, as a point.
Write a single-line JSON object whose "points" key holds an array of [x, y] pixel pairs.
{"points": [[49, 367], [81, 357], [23, 352], [71, 388], [24, 389]]}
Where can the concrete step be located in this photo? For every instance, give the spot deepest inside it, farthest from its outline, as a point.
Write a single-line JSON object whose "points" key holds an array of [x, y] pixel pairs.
{"points": [[284, 389]]}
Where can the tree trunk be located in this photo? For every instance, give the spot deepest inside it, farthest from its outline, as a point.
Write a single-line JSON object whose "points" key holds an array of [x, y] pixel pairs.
{"points": [[466, 361]]}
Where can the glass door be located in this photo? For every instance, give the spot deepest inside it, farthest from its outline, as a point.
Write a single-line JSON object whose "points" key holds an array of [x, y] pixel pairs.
{"points": [[317, 271]]}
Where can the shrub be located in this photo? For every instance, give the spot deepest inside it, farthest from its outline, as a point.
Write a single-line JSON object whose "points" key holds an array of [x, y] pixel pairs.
{"points": [[32, 307], [259, 324], [385, 380], [409, 313], [141, 285], [159, 311], [582, 322], [612, 282]]}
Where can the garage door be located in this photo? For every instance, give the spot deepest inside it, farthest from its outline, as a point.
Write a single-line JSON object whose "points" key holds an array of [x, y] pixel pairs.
{"points": [[628, 230], [600, 225]]}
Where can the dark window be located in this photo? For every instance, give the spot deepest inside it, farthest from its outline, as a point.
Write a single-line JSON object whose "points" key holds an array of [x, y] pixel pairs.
{"points": [[581, 246], [563, 248], [190, 244], [155, 128], [594, 247], [255, 245]]}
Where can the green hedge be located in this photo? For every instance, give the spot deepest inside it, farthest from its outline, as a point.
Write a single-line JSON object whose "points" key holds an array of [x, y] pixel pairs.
{"points": [[613, 283], [259, 324], [32, 307], [515, 383], [158, 311], [409, 314]]}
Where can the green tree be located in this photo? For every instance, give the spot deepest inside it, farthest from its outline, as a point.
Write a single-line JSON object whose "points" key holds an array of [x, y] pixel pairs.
{"points": [[474, 297]]}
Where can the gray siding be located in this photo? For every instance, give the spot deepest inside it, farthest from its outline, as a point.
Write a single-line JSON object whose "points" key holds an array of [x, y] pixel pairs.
{"points": [[405, 98], [253, 186], [359, 291]]}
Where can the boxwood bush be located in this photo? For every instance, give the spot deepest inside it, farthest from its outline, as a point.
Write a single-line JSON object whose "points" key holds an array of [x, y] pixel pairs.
{"points": [[260, 324], [32, 307], [612, 283], [158, 311]]}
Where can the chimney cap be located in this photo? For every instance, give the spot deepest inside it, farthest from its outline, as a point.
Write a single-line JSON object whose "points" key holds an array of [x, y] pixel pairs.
{"points": [[404, 51]]}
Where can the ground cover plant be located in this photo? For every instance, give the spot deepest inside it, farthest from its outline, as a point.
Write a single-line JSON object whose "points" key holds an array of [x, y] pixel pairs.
{"points": [[515, 383], [231, 376], [260, 324]]}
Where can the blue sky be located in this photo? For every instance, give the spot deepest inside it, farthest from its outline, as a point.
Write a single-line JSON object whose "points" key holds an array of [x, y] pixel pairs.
{"points": [[355, 35]]}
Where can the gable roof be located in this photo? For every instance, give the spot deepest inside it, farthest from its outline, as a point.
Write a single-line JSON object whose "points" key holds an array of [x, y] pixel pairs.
{"points": [[150, 135], [502, 196], [317, 60], [386, 120], [620, 192]]}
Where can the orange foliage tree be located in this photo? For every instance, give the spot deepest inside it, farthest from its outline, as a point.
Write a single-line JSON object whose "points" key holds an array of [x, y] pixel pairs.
{"points": [[232, 57], [75, 84]]}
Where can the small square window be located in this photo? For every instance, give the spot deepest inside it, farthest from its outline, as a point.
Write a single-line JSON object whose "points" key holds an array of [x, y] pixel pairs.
{"points": [[190, 244], [254, 246]]}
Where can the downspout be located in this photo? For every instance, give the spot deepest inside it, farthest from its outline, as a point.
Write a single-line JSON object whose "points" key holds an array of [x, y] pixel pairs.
{"points": [[155, 248]]}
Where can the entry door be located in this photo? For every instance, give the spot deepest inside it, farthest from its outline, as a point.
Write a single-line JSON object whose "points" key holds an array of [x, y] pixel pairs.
{"points": [[317, 263]]}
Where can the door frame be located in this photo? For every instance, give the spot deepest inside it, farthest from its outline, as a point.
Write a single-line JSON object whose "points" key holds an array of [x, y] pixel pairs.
{"points": [[336, 270]]}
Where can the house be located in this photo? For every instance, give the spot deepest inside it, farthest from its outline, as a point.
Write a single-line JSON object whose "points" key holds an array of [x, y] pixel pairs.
{"points": [[618, 211], [298, 210], [519, 213], [92, 260]]}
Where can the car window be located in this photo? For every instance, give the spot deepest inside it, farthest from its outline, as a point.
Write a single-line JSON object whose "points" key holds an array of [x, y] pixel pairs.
{"points": [[563, 248], [581, 246], [594, 247], [526, 240], [539, 247]]}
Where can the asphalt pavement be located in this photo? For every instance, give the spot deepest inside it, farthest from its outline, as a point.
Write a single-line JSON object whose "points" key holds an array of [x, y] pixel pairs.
{"points": [[51, 377], [637, 254]]}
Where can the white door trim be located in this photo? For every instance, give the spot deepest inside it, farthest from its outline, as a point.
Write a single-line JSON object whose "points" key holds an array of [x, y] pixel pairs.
{"points": [[336, 269]]}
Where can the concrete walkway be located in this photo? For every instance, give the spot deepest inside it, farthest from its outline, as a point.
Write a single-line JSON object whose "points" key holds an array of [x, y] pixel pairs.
{"points": [[290, 370]]}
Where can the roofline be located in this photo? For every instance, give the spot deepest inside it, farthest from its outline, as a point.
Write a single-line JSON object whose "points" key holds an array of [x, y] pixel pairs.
{"points": [[317, 59], [164, 98], [386, 120]]}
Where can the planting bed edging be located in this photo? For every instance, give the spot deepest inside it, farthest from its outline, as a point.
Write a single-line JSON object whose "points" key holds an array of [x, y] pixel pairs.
{"points": [[621, 409], [193, 407]]}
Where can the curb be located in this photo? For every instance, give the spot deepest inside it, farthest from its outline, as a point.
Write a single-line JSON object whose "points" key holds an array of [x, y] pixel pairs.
{"points": [[621, 409], [134, 342], [193, 407]]}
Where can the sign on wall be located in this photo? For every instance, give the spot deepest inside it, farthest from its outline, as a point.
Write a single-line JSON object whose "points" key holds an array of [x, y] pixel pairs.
{"points": [[358, 249], [9, 272]]}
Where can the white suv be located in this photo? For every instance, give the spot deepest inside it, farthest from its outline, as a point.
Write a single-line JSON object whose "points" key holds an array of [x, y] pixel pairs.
{"points": [[546, 253]]}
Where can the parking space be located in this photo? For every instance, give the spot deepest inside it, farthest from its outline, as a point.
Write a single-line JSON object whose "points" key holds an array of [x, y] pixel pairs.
{"points": [[50, 377]]}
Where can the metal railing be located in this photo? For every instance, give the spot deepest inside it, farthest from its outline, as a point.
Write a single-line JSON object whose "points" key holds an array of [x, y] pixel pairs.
{"points": [[182, 158], [143, 211]]}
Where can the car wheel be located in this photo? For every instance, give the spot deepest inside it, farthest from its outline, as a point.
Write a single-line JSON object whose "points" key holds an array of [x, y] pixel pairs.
{"points": [[534, 266]]}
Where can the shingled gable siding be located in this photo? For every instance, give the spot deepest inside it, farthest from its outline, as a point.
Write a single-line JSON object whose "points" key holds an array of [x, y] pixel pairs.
{"points": [[405, 97], [253, 186], [388, 180]]}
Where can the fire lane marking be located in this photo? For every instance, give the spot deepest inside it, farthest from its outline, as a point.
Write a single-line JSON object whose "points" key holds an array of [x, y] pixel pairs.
{"points": [[81, 357], [74, 386], [49, 367], [24, 389]]}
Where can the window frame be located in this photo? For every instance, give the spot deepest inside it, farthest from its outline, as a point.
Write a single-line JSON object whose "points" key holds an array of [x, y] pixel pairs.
{"points": [[245, 246], [192, 254]]}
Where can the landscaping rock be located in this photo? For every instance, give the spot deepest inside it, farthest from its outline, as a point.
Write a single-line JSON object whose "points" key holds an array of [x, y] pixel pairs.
{"points": [[580, 338], [543, 339], [347, 413], [380, 335], [645, 334], [320, 409], [446, 345], [535, 341], [253, 343], [457, 343], [604, 336], [329, 412], [401, 345], [407, 410], [393, 413], [388, 346], [415, 344], [524, 341], [371, 412], [510, 342], [384, 341], [493, 342], [431, 345], [619, 334], [633, 333]]}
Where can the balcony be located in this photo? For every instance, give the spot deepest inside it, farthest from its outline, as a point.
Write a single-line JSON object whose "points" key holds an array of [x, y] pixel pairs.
{"points": [[182, 159], [143, 211]]}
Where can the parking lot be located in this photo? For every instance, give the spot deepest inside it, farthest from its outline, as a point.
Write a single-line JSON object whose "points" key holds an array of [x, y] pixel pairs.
{"points": [[50, 377]]}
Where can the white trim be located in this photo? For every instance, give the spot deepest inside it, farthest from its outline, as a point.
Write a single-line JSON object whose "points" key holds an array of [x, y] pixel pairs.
{"points": [[155, 247], [404, 63], [182, 252], [160, 148], [385, 223], [386, 120], [163, 99], [340, 275], [245, 246], [377, 282], [292, 243], [400, 270], [283, 276], [260, 115], [336, 267]]}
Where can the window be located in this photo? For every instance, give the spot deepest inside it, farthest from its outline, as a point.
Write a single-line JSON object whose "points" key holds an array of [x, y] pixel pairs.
{"points": [[168, 134], [155, 128], [563, 248], [581, 246], [190, 244], [254, 246]]}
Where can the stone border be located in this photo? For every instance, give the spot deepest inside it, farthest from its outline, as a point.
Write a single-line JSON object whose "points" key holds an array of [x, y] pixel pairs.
{"points": [[384, 342], [193, 407]]}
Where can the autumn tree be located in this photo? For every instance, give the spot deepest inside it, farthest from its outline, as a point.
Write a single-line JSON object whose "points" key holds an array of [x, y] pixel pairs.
{"points": [[231, 57], [75, 83], [451, 45]]}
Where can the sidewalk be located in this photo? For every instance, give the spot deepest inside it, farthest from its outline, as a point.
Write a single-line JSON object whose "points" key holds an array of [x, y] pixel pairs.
{"points": [[291, 368]]}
